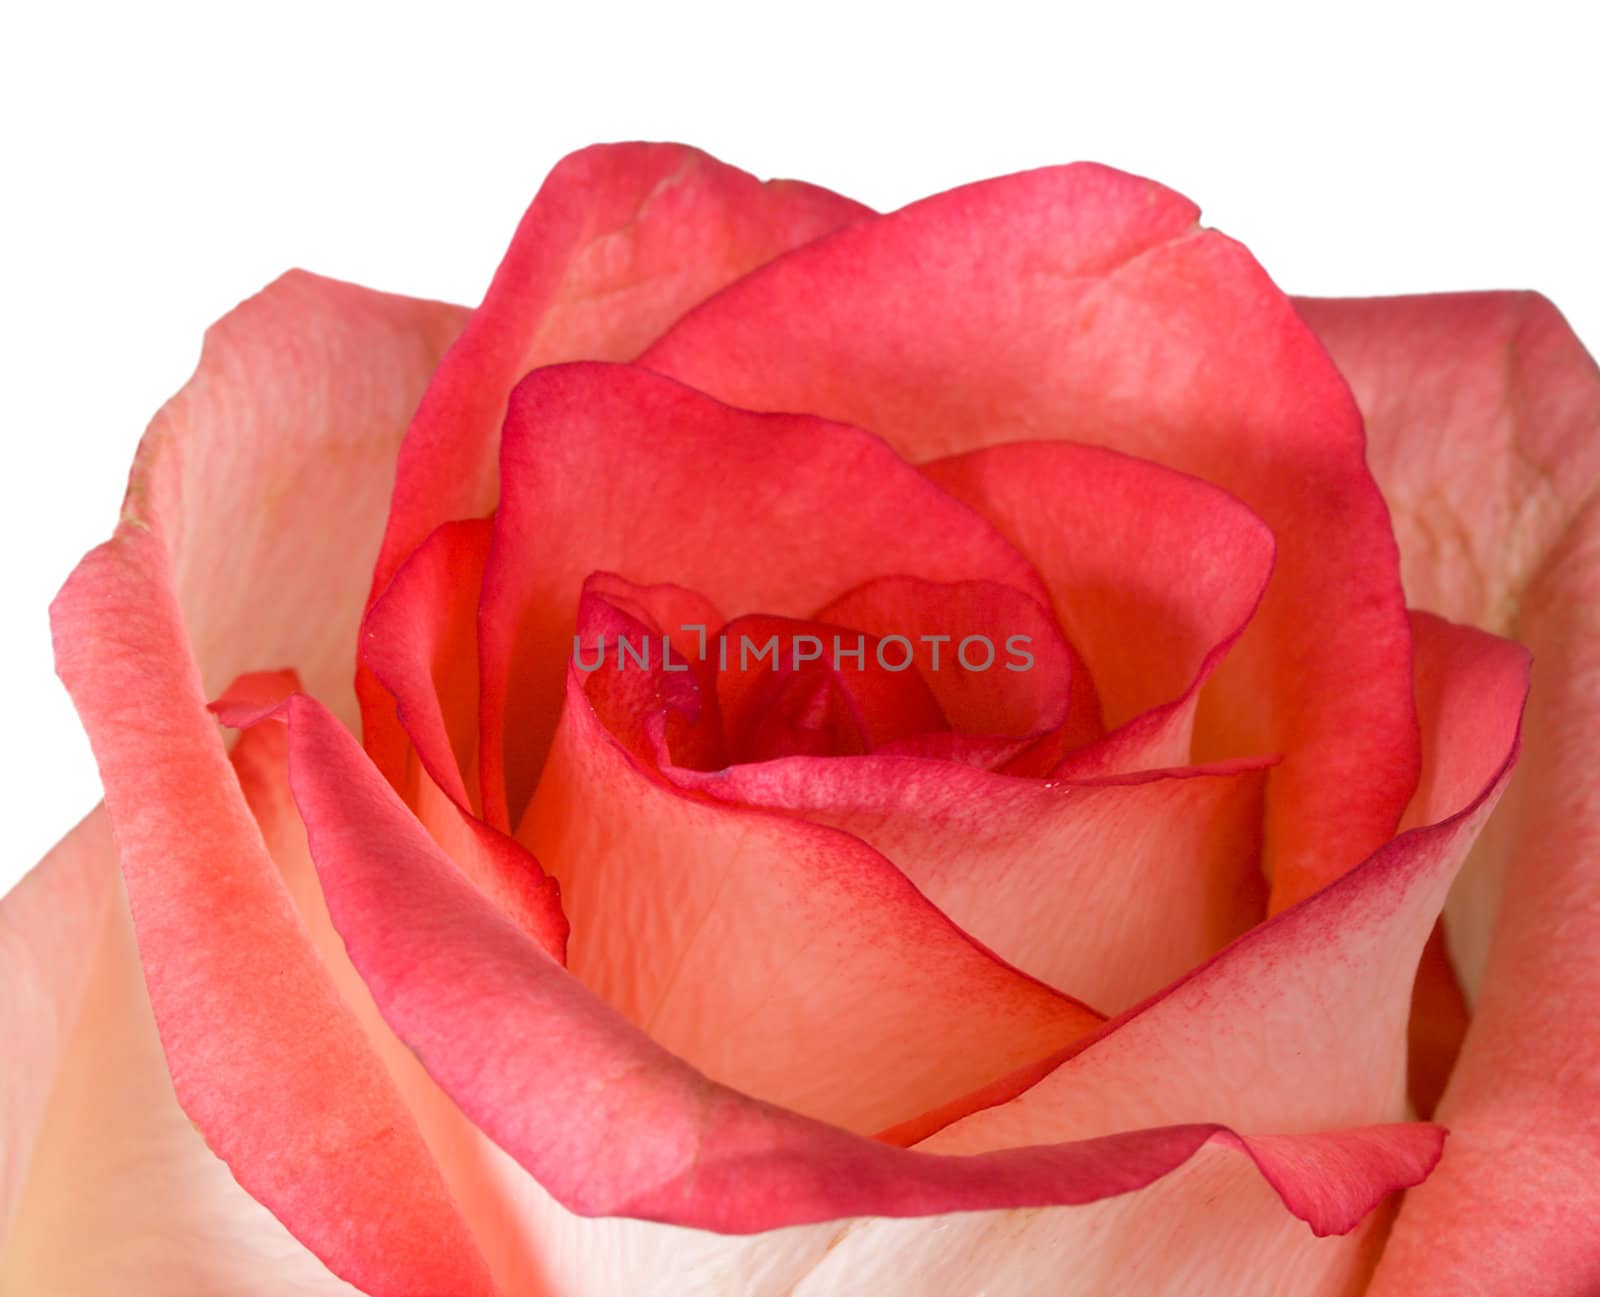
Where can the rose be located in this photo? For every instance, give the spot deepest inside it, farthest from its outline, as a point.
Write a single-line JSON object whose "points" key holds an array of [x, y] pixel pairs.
{"points": [[352, 957]]}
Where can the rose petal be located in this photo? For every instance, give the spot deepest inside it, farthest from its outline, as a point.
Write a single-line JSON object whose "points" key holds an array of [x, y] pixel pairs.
{"points": [[612, 1124], [1120, 324], [50, 924], [1105, 889], [265, 1059], [269, 473], [1213, 1226], [611, 467], [1316, 1000], [1482, 412], [1005, 667], [785, 960], [771, 705], [621, 240], [420, 640], [109, 1189], [1153, 574]]}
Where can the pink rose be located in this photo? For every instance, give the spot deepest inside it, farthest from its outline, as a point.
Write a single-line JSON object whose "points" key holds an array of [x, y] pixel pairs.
{"points": [[1113, 964]]}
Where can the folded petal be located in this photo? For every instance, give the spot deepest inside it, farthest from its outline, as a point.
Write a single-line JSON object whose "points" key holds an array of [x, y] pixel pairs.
{"points": [[612, 1124], [268, 474], [1005, 670], [420, 640], [1105, 889], [613, 468], [1482, 411], [1514, 1208], [1214, 1226], [1301, 1023], [1153, 576], [621, 240], [1121, 324], [106, 1187], [788, 961], [265, 1058]]}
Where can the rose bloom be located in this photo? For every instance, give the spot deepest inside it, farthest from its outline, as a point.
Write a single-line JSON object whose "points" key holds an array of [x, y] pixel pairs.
{"points": [[1219, 951]]}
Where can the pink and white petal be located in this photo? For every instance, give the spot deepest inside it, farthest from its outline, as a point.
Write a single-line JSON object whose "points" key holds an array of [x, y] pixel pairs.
{"points": [[1213, 1226], [614, 468], [420, 640], [1125, 325], [1104, 889], [1153, 575], [1482, 411], [611, 1124], [785, 960], [50, 925], [501, 869], [532, 1244], [1300, 1024], [264, 1057], [1514, 1209], [268, 474], [108, 1188], [620, 241]]}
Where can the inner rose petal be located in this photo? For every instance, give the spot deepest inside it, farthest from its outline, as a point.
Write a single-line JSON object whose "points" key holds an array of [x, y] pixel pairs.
{"points": [[996, 660], [616, 468], [787, 686], [1152, 573], [788, 960]]}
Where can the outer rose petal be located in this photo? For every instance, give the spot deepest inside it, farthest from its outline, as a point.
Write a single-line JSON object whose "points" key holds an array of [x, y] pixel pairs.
{"points": [[1082, 303], [49, 926], [110, 1189], [1483, 417], [269, 473], [612, 1124], [251, 518]]}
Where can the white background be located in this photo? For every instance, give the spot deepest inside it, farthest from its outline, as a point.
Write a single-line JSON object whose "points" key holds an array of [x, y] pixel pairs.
{"points": [[160, 164]]}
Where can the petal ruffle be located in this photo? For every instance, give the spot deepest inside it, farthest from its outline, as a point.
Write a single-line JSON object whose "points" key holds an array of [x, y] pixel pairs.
{"points": [[1317, 998]]}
